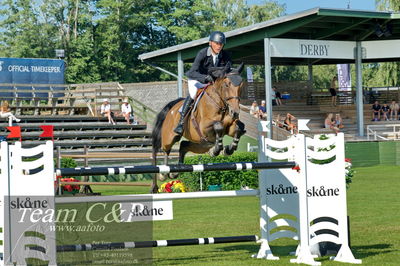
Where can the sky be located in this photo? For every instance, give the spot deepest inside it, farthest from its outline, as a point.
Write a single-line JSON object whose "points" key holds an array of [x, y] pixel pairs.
{"points": [[293, 6]]}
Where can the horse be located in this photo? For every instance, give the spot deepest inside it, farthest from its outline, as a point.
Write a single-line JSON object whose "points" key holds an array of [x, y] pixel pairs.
{"points": [[216, 114]]}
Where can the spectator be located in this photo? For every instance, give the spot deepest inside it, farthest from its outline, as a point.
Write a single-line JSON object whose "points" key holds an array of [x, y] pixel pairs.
{"points": [[330, 124], [254, 110], [332, 90], [126, 111], [339, 121], [262, 110], [278, 96], [290, 124], [385, 111], [106, 111], [5, 112], [376, 111], [273, 96], [278, 121], [394, 110]]}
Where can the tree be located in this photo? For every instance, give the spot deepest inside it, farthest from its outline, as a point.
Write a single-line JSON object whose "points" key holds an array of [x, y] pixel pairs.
{"points": [[24, 33], [389, 72], [103, 38]]}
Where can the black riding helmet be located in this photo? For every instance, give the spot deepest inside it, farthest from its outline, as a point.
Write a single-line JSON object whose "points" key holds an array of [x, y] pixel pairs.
{"points": [[218, 37]]}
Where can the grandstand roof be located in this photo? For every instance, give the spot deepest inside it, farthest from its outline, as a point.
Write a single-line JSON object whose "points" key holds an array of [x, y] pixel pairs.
{"points": [[247, 44]]}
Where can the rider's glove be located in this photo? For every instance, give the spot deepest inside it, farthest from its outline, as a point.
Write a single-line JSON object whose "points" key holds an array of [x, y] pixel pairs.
{"points": [[209, 79]]}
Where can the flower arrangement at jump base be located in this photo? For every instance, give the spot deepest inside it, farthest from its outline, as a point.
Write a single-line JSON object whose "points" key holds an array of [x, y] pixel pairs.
{"points": [[349, 171], [70, 188], [174, 186]]}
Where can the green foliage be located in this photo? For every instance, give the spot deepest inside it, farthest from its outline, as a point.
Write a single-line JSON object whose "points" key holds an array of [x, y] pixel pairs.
{"points": [[230, 180], [103, 38], [388, 5], [68, 163]]}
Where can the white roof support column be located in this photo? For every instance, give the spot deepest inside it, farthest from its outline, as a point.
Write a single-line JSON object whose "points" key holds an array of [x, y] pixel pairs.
{"points": [[180, 75], [359, 91], [268, 84]]}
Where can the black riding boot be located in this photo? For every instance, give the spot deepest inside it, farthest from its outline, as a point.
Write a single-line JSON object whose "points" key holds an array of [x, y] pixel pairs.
{"points": [[185, 108]]}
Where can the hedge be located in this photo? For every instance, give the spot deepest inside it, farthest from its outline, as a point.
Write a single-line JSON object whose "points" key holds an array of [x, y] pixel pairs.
{"points": [[229, 180]]}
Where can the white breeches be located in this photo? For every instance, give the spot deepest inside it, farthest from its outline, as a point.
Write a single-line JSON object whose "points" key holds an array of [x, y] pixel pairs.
{"points": [[193, 86], [8, 115]]}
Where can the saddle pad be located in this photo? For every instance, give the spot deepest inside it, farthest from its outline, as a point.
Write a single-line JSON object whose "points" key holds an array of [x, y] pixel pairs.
{"points": [[199, 94]]}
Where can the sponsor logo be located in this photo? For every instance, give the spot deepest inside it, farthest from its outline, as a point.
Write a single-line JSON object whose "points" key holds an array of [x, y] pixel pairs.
{"points": [[322, 192], [280, 189]]}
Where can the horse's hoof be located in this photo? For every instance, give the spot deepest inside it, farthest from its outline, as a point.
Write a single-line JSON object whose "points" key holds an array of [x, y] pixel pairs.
{"points": [[162, 177], [154, 189], [228, 151], [173, 175], [213, 153]]}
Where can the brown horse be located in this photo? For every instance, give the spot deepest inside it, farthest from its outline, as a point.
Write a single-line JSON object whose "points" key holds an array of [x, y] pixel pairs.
{"points": [[216, 115]]}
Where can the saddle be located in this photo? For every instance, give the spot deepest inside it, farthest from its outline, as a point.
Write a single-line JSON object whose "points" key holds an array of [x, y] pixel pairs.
{"points": [[199, 95]]}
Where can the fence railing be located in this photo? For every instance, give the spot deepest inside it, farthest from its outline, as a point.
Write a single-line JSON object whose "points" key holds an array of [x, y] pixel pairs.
{"points": [[141, 110], [383, 132], [370, 95]]}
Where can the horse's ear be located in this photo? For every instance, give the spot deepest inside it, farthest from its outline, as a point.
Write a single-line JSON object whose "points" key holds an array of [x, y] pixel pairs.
{"points": [[227, 68], [240, 68]]}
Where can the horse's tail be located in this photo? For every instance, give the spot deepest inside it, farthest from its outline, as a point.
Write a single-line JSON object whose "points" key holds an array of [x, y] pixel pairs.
{"points": [[156, 133]]}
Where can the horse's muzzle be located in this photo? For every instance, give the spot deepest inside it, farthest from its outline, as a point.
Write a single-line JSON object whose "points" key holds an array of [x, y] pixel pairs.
{"points": [[234, 114]]}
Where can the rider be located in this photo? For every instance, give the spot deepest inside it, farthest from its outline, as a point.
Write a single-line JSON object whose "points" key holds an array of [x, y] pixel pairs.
{"points": [[199, 76]]}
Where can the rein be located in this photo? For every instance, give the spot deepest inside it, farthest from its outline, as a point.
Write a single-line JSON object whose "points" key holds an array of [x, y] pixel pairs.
{"points": [[225, 105]]}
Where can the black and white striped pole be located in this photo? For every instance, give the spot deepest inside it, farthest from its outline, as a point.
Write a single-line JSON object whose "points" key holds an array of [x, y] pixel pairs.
{"points": [[156, 243], [173, 168]]}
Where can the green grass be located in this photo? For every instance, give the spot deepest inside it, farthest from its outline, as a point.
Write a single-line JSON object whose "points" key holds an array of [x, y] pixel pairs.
{"points": [[242, 146], [373, 207]]}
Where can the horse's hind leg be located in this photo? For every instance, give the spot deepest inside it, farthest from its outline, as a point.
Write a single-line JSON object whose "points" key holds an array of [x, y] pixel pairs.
{"points": [[183, 149], [219, 130], [236, 130], [182, 152], [162, 177]]}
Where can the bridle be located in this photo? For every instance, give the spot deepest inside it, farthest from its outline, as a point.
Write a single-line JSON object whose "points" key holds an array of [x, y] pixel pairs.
{"points": [[225, 101]]}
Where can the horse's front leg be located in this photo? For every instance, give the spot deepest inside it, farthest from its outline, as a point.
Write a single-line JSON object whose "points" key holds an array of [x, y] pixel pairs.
{"points": [[218, 146], [236, 130]]}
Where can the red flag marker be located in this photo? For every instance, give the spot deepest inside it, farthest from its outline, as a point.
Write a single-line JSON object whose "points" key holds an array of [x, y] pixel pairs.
{"points": [[47, 131], [15, 132]]}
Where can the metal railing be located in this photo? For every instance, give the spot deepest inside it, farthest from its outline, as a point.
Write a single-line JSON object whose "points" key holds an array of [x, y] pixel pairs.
{"points": [[377, 131], [141, 110]]}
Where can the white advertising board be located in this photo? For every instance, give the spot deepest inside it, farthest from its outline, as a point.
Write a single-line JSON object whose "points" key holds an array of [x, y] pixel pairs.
{"points": [[146, 211], [299, 48]]}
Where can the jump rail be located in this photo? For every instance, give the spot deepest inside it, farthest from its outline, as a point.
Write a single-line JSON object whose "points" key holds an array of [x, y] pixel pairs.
{"points": [[158, 197], [156, 243], [173, 168], [83, 183]]}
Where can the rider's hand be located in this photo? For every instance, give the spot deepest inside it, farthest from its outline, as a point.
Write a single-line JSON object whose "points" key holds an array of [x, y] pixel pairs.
{"points": [[209, 79]]}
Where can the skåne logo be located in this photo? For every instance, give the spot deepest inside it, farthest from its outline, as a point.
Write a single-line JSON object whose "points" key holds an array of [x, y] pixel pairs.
{"points": [[280, 189], [322, 192]]}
